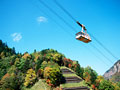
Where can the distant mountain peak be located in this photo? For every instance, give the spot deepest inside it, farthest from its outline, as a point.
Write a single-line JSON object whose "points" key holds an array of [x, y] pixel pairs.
{"points": [[113, 70]]}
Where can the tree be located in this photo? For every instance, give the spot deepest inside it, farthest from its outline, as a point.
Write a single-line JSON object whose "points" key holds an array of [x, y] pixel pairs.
{"points": [[87, 77], [30, 78], [13, 50], [106, 85], [116, 85], [10, 83], [81, 72], [100, 78], [38, 64], [89, 72], [98, 81], [57, 57], [4, 65], [53, 76], [77, 69], [34, 50], [22, 64], [2, 55]]}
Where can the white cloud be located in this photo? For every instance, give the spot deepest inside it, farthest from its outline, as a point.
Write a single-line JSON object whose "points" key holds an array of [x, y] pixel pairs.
{"points": [[41, 19], [16, 37]]}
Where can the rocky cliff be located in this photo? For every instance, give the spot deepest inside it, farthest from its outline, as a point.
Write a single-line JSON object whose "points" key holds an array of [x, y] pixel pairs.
{"points": [[113, 70]]}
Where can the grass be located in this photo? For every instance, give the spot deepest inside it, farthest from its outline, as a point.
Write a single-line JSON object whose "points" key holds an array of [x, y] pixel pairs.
{"points": [[40, 85], [69, 75], [63, 67], [67, 85], [80, 84]]}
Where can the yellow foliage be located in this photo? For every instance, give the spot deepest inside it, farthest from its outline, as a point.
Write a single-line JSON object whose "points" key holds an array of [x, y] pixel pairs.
{"points": [[44, 63], [2, 54], [17, 61], [116, 86], [36, 56], [56, 57], [100, 78], [47, 72], [25, 56], [30, 77]]}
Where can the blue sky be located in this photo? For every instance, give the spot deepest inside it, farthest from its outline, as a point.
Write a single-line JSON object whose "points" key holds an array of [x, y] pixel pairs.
{"points": [[23, 25]]}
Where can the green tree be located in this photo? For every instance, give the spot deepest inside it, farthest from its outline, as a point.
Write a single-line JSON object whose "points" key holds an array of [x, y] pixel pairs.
{"points": [[22, 64], [4, 66], [77, 69], [106, 85], [89, 72], [38, 63], [34, 50], [116, 85], [10, 83]]}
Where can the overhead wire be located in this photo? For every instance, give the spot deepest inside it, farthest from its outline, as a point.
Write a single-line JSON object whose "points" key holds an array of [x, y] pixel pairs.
{"points": [[101, 53], [58, 15], [103, 46], [65, 10], [88, 32], [66, 22], [96, 55], [52, 19]]}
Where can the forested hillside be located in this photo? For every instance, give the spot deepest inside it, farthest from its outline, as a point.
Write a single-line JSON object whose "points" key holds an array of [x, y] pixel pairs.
{"points": [[43, 68]]}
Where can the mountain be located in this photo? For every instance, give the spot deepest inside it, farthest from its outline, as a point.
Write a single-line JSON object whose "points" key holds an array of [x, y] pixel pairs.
{"points": [[112, 71], [115, 77]]}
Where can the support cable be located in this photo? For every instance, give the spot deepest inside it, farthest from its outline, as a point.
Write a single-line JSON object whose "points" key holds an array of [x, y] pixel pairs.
{"points": [[57, 15], [65, 11], [101, 53], [52, 19], [96, 56], [103, 46], [88, 32], [70, 26]]}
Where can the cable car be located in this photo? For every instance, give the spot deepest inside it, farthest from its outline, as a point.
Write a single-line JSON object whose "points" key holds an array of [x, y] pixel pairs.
{"points": [[83, 36]]}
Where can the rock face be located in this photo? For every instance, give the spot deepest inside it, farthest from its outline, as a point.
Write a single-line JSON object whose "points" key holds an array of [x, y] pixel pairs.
{"points": [[113, 70]]}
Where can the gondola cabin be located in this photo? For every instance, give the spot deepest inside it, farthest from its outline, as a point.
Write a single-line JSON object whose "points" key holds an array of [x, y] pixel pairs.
{"points": [[84, 37]]}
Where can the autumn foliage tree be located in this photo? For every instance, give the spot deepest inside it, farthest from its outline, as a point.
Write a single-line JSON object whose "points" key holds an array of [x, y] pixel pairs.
{"points": [[21, 70], [53, 76], [106, 85], [30, 78], [89, 75], [9, 82]]}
